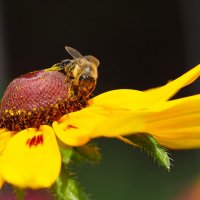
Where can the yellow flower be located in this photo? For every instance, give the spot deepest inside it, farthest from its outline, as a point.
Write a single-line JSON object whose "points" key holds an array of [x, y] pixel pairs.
{"points": [[30, 157]]}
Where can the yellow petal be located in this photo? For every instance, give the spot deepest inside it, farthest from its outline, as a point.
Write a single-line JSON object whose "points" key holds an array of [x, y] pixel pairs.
{"points": [[123, 98], [179, 144], [122, 122], [176, 122], [31, 158], [5, 136], [167, 91], [1, 182], [75, 128], [79, 127]]}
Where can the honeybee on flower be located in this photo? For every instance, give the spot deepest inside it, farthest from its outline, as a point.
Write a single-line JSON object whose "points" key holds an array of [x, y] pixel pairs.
{"points": [[82, 69]]}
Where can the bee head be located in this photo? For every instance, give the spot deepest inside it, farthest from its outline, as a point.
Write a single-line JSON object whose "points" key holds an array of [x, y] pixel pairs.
{"points": [[86, 76]]}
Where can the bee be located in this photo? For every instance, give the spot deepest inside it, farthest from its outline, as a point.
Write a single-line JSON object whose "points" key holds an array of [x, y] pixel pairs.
{"points": [[82, 70]]}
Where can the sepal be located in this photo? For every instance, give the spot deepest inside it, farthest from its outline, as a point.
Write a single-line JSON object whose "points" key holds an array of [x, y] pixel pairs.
{"points": [[148, 143], [88, 153], [67, 188]]}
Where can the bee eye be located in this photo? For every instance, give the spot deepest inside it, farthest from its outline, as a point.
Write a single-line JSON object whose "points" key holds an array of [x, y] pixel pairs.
{"points": [[82, 77], [87, 82], [86, 78]]}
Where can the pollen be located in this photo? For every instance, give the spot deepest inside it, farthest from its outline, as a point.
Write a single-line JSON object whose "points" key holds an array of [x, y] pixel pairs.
{"points": [[38, 98]]}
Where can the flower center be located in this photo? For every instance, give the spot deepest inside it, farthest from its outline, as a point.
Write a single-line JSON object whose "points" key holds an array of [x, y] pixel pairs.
{"points": [[38, 98]]}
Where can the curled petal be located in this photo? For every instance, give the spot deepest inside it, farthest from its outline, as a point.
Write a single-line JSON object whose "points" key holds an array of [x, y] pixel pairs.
{"points": [[31, 158], [165, 92], [135, 100], [174, 122]]}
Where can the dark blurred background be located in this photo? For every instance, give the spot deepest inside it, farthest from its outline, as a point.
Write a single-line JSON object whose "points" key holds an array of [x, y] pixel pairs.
{"points": [[140, 44]]}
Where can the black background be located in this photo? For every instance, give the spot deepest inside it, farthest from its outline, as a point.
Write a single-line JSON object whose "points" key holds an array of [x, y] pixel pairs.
{"points": [[139, 43]]}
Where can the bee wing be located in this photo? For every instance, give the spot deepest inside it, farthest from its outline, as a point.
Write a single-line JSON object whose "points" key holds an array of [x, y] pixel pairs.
{"points": [[73, 52], [92, 59]]}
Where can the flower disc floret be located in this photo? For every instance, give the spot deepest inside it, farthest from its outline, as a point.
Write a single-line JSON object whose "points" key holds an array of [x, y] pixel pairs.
{"points": [[38, 98]]}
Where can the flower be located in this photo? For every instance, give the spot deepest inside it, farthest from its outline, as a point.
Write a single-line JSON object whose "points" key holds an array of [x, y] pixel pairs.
{"points": [[29, 150]]}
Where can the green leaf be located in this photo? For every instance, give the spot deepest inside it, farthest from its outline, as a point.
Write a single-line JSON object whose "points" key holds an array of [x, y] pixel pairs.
{"points": [[87, 153], [66, 153], [67, 188], [19, 193], [151, 146]]}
